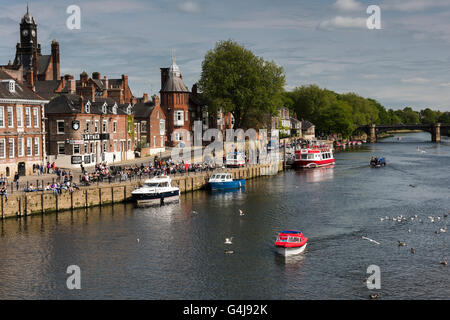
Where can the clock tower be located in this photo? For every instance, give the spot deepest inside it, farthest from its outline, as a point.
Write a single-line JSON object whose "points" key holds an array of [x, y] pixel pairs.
{"points": [[28, 49]]}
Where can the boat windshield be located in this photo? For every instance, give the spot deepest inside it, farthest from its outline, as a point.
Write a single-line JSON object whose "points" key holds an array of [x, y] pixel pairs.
{"points": [[152, 184]]}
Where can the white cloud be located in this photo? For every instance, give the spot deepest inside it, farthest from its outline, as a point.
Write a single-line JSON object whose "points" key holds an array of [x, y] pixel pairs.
{"points": [[189, 7], [417, 80], [343, 22], [348, 5]]}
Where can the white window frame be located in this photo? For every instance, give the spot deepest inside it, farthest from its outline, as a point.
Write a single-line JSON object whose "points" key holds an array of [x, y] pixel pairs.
{"points": [[144, 126], [20, 145], [58, 144], [3, 152], [29, 147], [114, 126], [88, 125], [178, 117], [37, 147], [162, 127], [36, 117], [105, 126], [10, 111], [19, 116], [28, 117], [11, 151], [79, 148], [2, 116], [96, 124], [115, 145], [57, 126], [186, 116], [87, 107]]}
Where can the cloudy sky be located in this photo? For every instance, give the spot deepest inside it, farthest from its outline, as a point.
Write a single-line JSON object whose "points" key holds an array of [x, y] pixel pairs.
{"points": [[325, 42]]}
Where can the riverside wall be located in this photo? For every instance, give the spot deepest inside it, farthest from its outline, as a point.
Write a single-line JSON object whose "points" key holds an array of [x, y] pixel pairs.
{"points": [[24, 204]]}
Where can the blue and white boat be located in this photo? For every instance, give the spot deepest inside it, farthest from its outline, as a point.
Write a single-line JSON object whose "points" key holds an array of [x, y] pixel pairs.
{"points": [[223, 180]]}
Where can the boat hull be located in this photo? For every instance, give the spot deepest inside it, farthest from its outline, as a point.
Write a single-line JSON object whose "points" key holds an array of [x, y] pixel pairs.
{"points": [[313, 163], [150, 199], [288, 251], [235, 184]]}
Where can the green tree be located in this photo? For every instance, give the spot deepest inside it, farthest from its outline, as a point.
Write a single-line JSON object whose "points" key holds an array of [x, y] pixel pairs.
{"points": [[234, 80], [428, 116]]}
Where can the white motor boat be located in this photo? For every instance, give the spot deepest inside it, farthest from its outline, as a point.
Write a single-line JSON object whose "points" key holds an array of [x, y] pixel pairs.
{"points": [[157, 190]]}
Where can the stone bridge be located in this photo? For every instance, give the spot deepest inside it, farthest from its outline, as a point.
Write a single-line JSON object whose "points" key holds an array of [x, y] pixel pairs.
{"points": [[435, 129]]}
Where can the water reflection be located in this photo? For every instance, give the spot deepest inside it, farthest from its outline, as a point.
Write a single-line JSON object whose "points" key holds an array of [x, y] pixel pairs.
{"points": [[317, 174]]}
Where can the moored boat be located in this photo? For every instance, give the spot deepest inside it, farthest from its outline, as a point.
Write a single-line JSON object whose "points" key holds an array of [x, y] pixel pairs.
{"points": [[290, 242], [157, 190], [224, 180], [314, 157]]}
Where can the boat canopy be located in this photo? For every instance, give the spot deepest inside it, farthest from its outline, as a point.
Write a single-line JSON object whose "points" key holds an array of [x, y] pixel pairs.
{"points": [[291, 232]]}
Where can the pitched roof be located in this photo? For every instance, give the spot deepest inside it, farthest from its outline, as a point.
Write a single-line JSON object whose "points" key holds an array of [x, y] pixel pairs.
{"points": [[47, 88], [43, 63], [174, 84], [21, 91], [306, 125], [143, 110]]}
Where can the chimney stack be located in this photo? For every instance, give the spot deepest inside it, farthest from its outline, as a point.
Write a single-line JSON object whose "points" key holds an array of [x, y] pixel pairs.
{"points": [[145, 98], [106, 82], [194, 89], [30, 79], [71, 84], [155, 100], [55, 60], [96, 75]]}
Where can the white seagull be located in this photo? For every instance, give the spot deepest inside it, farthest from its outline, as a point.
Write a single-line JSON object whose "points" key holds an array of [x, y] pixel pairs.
{"points": [[365, 238], [229, 240]]}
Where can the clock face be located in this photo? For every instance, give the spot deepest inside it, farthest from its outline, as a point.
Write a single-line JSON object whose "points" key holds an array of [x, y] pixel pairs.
{"points": [[33, 33], [76, 125], [25, 33]]}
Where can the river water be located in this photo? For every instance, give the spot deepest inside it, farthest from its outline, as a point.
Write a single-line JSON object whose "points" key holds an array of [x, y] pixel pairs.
{"points": [[177, 251]]}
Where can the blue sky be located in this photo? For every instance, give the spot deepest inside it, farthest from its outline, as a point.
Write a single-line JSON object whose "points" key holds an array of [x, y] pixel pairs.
{"points": [[323, 42]]}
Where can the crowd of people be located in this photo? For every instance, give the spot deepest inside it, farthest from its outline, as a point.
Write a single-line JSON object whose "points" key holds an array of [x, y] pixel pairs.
{"points": [[104, 172]]}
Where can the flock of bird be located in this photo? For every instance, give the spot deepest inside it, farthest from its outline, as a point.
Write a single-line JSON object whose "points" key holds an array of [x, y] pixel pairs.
{"points": [[429, 219]]}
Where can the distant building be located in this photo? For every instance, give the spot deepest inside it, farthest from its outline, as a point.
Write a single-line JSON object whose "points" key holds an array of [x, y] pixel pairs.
{"points": [[22, 131], [150, 126], [296, 127], [282, 122], [87, 132], [308, 130]]}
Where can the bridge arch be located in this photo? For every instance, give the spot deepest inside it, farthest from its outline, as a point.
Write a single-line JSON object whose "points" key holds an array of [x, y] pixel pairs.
{"points": [[435, 129]]}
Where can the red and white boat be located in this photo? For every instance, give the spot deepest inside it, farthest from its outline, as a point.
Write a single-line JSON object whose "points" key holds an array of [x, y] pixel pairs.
{"points": [[290, 242], [314, 157]]}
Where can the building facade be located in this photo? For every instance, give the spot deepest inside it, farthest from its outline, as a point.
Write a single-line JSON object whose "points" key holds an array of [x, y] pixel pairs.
{"points": [[150, 126], [175, 104], [88, 133], [22, 131]]}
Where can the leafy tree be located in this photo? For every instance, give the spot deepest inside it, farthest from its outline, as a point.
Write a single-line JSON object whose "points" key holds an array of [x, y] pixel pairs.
{"points": [[428, 116], [234, 80]]}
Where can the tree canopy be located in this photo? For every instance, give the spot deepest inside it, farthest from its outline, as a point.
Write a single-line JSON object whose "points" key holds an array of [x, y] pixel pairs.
{"points": [[234, 80]]}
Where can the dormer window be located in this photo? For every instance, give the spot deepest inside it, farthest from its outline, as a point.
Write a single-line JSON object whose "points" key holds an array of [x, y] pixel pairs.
{"points": [[114, 109], [129, 109], [87, 108], [104, 108], [12, 86]]}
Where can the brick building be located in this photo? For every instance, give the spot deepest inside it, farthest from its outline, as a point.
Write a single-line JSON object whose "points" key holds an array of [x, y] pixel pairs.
{"points": [[150, 126], [175, 104], [22, 131], [87, 132]]}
